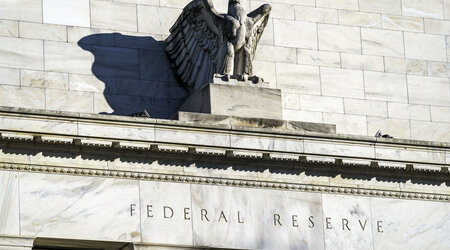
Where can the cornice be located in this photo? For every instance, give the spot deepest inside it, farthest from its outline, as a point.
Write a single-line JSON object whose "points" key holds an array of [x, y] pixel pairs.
{"points": [[164, 123]]}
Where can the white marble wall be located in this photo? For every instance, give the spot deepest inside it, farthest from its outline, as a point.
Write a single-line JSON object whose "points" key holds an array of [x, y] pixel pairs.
{"points": [[64, 206], [9, 203], [78, 207], [364, 65]]}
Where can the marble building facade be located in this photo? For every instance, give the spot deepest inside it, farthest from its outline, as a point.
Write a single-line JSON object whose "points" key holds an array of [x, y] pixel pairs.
{"points": [[76, 173], [363, 65]]}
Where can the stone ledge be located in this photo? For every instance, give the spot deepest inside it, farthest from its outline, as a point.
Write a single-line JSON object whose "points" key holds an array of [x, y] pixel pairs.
{"points": [[77, 117]]}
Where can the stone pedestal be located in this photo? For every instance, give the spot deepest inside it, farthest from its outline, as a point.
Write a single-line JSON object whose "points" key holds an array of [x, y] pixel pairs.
{"points": [[234, 98], [236, 121]]}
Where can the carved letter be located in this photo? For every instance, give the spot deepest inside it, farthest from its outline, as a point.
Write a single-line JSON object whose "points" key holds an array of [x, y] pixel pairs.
{"points": [[239, 218], [186, 213], [327, 220], [132, 208], [204, 213], [276, 218], [165, 214], [294, 221], [149, 211], [363, 226], [312, 222], [222, 215], [345, 223], [379, 226]]}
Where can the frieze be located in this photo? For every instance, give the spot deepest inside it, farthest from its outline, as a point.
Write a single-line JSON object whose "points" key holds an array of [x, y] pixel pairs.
{"points": [[225, 182]]}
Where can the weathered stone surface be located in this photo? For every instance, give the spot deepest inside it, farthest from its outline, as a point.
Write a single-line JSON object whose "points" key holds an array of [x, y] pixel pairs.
{"points": [[256, 122], [9, 28], [321, 103], [311, 14], [300, 115], [67, 57], [381, 6], [435, 131], [343, 4], [363, 62], [339, 38], [233, 100], [14, 96], [9, 76], [114, 16], [43, 31], [319, 58], [279, 10], [385, 87], [425, 47], [413, 24], [429, 8], [68, 213], [440, 114], [284, 36], [43, 79], [342, 82], [67, 12], [381, 208], [438, 69], [21, 53], [298, 78], [409, 111], [9, 203], [347, 124], [363, 19], [428, 90], [276, 54], [23, 10], [72, 101], [360, 107], [405, 66], [382, 42]]}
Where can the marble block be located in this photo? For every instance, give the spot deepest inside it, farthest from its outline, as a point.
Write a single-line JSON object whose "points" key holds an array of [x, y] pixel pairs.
{"points": [[61, 206], [236, 99], [160, 215], [256, 218], [9, 203], [415, 224], [347, 217]]}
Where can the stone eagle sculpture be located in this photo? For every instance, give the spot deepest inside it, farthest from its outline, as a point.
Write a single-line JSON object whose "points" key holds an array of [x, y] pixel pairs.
{"points": [[203, 43]]}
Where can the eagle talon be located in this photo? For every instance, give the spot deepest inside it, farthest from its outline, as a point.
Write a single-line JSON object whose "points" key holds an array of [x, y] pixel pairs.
{"points": [[240, 78], [224, 77], [255, 79]]}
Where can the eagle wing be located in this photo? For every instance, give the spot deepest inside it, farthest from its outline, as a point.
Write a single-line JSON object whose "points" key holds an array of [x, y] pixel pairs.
{"points": [[260, 19], [196, 45]]}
